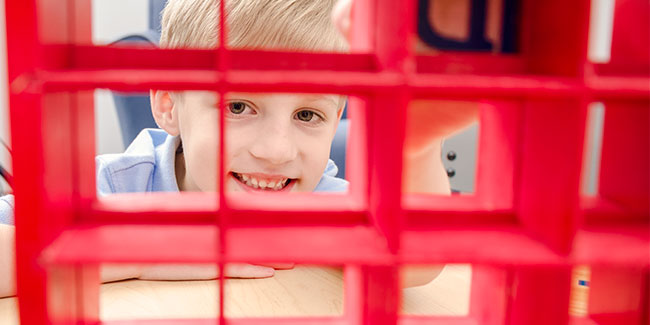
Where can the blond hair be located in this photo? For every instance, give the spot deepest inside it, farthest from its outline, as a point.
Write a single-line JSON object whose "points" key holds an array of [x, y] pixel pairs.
{"points": [[252, 24]]}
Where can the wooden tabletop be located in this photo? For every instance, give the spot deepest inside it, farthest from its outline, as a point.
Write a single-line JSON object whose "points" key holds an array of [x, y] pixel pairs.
{"points": [[302, 291]]}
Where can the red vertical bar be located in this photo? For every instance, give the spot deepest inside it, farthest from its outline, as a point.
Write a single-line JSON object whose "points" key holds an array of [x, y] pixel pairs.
{"points": [[554, 37], [222, 222], [356, 151], [354, 291], [625, 157], [86, 278], [550, 170], [540, 296], [381, 294], [619, 295], [630, 54], [84, 155], [45, 153], [386, 122], [489, 296], [73, 294], [362, 32], [83, 116], [385, 165], [548, 204], [23, 55], [499, 147]]}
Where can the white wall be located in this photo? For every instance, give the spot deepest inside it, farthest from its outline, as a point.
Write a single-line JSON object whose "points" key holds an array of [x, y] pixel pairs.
{"points": [[113, 19], [5, 159]]}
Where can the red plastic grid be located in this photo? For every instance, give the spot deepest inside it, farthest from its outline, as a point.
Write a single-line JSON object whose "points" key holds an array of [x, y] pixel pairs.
{"points": [[525, 227]]}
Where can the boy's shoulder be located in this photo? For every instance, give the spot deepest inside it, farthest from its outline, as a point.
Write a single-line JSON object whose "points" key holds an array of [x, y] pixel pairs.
{"points": [[7, 209], [147, 165], [329, 182]]}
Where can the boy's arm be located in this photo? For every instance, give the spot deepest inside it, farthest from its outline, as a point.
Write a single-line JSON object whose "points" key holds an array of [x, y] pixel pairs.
{"points": [[427, 124], [7, 262], [7, 247]]}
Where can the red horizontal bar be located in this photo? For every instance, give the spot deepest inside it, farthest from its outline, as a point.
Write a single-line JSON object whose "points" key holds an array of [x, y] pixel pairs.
{"points": [[432, 211], [608, 87], [465, 86], [236, 321], [444, 320], [145, 57], [243, 209], [497, 86], [139, 57], [344, 82], [598, 210], [289, 321], [339, 245], [317, 245], [256, 209], [307, 202], [240, 80], [134, 243], [209, 321], [158, 208], [505, 245], [198, 244], [613, 245], [470, 63], [582, 321], [403, 320], [621, 68]]}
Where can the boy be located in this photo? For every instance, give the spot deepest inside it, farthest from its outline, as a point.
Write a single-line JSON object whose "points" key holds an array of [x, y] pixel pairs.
{"points": [[275, 142]]}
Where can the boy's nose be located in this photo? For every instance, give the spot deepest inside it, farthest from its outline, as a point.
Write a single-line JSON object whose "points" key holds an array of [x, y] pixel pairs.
{"points": [[275, 145]]}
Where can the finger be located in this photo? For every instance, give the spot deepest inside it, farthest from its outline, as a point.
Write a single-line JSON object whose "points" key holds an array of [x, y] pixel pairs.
{"points": [[248, 271], [279, 266]]}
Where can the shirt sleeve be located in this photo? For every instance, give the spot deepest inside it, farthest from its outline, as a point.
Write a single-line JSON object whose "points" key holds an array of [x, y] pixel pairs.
{"points": [[7, 210], [103, 180], [329, 182]]}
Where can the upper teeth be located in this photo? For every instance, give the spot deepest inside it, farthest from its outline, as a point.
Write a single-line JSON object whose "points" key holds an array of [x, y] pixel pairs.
{"points": [[265, 184]]}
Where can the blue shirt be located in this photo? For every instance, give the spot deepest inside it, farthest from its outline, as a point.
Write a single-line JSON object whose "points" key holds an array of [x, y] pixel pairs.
{"points": [[147, 165]]}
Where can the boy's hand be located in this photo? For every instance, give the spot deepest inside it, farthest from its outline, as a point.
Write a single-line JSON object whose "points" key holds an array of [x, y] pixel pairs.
{"points": [[7, 262], [117, 272], [418, 275], [204, 272], [429, 121]]}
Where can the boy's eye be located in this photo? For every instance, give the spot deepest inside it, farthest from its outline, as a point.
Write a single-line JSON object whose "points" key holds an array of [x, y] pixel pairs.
{"points": [[305, 116], [237, 107]]}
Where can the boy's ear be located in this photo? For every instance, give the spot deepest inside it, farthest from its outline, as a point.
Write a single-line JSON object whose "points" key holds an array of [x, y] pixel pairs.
{"points": [[164, 111], [339, 113], [342, 106]]}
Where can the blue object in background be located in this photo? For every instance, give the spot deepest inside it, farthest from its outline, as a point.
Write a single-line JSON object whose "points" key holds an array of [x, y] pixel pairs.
{"points": [[133, 110]]}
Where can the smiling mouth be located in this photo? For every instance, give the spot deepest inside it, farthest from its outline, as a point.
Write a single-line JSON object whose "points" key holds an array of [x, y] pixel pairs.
{"points": [[260, 183]]}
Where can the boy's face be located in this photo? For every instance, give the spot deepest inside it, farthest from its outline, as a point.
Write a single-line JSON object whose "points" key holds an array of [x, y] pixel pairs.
{"points": [[274, 142]]}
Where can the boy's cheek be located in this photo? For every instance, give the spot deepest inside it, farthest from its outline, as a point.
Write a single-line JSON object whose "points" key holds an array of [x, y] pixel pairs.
{"points": [[201, 164]]}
